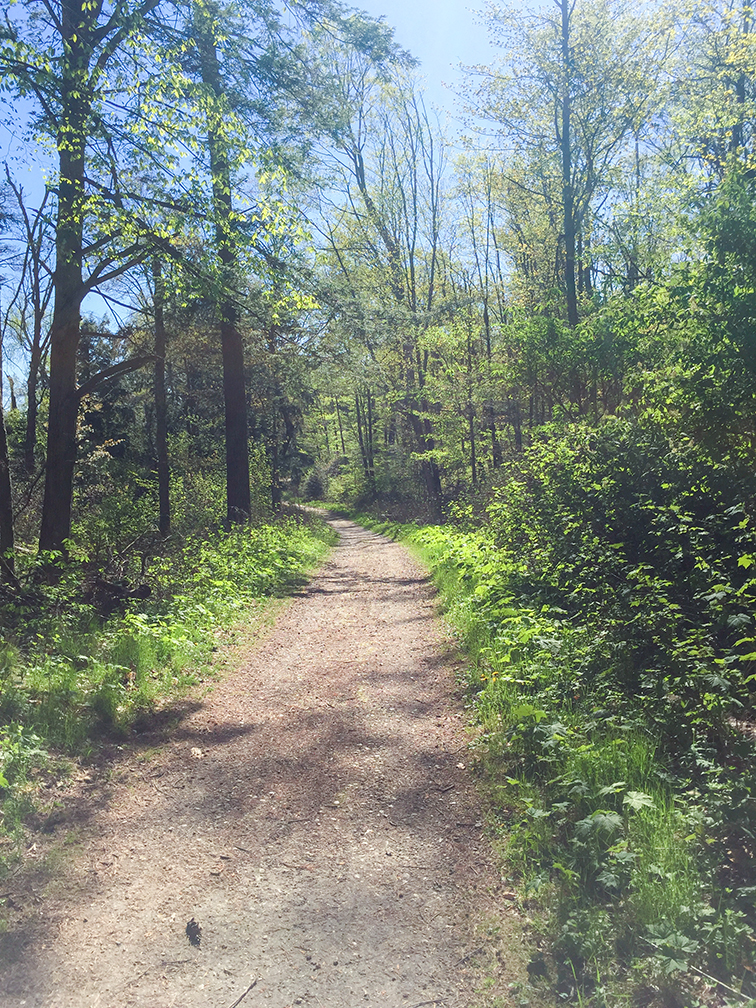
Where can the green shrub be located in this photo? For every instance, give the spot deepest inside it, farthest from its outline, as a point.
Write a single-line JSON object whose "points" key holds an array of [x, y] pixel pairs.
{"points": [[608, 609], [315, 486]]}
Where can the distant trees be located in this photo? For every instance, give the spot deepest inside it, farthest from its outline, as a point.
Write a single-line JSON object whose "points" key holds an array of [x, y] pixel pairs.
{"points": [[207, 28], [609, 150], [575, 96], [383, 258]]}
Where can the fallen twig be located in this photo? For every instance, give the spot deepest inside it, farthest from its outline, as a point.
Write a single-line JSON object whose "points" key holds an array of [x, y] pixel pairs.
{"points": [[435, 1001], [469, 956], [240, 999], [706, 976]]}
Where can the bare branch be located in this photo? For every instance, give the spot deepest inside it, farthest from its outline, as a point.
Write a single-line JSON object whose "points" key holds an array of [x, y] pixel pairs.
{"points": [[133, 364]]}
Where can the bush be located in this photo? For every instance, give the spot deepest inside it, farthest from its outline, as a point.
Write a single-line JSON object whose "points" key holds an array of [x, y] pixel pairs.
{"points": [[316, 486]]}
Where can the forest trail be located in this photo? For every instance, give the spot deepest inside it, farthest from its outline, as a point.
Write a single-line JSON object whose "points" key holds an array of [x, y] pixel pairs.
{"points": [[314, 814]]}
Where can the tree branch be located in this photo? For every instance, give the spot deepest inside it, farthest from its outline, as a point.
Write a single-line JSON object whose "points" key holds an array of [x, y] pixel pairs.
{"points": [[133, 364]]}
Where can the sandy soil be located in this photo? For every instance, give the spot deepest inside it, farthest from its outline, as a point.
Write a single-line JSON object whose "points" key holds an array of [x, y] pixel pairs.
{"points": [[314, 814]]}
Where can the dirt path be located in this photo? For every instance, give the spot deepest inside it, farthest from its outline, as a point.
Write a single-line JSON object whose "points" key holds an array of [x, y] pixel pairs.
{"points": [[315, 815]]}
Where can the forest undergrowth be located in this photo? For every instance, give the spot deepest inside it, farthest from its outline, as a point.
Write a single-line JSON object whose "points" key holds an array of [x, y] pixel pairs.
{"points": [[606, 599], [81, 664]]}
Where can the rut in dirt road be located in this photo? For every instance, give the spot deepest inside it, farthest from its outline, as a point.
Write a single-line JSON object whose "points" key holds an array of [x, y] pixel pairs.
{"points": [[314, 815]]}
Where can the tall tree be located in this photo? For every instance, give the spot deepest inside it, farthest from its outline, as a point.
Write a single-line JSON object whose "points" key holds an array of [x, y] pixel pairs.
{"points": [[65, 56], [578, 83], [161, 405], [7, 537], [32, 301], [207, 30]]}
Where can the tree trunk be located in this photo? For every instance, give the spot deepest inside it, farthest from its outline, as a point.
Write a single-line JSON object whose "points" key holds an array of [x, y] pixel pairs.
{"points": [[68, 285], [238, 499], [284, 446], [161, 405], [7, 563], [341, 429], [81, 78], [470, 406], [516, 418], [568, 195], [370, 441], [366, 435], [39, 294], [64, 403], [63, 411], [423, 431], [30, 432]]}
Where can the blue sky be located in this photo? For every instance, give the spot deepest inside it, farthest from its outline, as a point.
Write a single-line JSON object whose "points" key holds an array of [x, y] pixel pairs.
{"points": [[441, 34]]}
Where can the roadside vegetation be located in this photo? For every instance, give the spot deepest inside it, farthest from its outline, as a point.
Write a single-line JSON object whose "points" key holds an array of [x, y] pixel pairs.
{"points": [[261, 271], [605, 596]]}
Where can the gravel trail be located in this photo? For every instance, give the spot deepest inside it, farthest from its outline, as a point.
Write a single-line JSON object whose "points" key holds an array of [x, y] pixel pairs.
{"points": [[314, 814]]}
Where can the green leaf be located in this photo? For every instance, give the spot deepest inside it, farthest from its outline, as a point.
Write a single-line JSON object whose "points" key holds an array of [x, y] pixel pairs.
{"points": [[638, 800]]}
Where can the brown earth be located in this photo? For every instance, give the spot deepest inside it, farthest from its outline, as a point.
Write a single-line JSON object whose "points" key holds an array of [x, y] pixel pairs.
{"points": [[315, 814]]}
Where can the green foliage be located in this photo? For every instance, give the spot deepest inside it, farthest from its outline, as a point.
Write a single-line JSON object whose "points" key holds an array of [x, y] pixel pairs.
{"points": [[607, 605], [21, 752], [315, 486]]}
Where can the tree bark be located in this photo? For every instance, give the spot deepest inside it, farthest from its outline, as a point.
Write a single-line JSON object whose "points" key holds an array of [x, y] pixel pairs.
{"points": [[365, 436], [34, 268], [568, 195], [81, 36], [69, 291], [340, 427], [30, 432], [238, 499], [473, 444], [161, 406], [7, 544]]}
